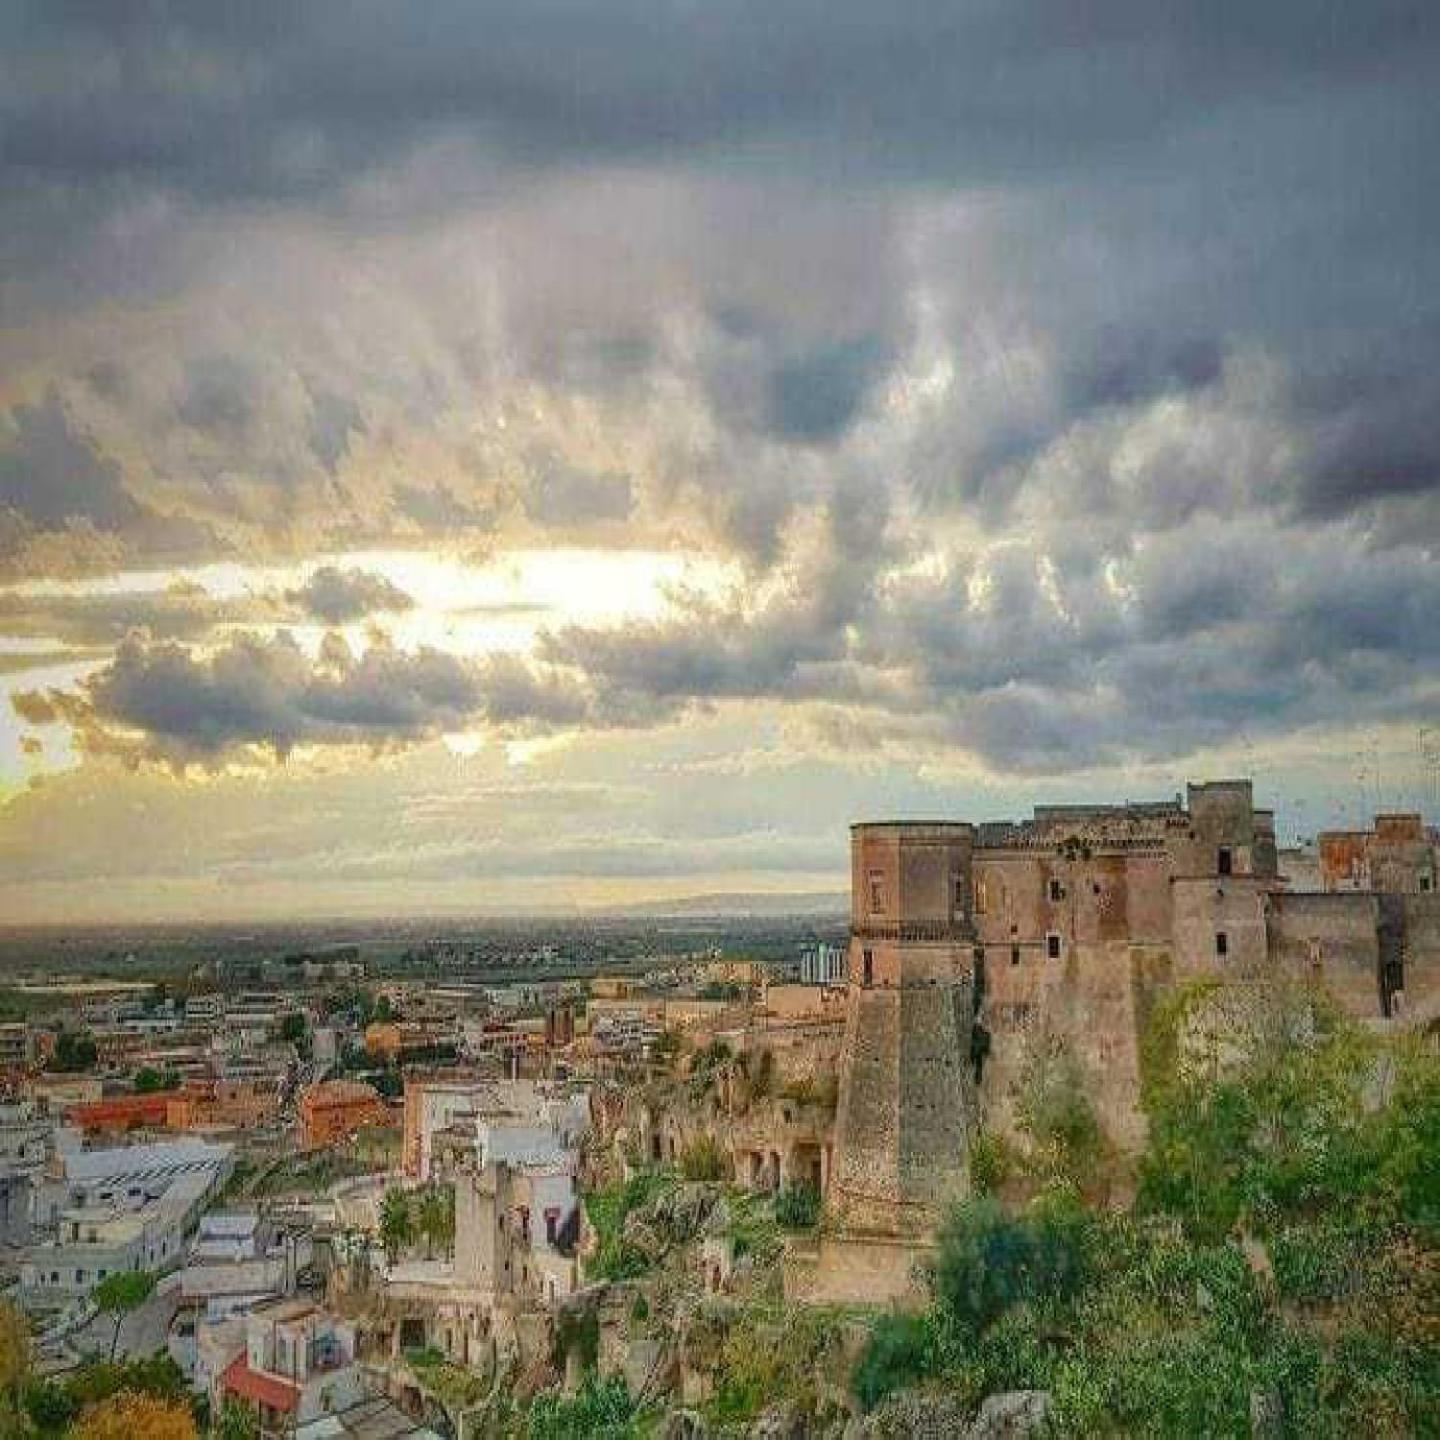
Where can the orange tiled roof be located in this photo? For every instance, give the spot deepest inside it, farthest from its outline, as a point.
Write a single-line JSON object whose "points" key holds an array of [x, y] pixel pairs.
{"points": [[239, 1379]]}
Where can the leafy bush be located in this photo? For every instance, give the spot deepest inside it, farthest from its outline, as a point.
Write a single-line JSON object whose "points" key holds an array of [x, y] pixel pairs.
{"points": [[702, 1159], [902, 1349], [1055, 1112], [606, 1210], [771, 1355], [991, 1162], [989, 1261], [53, 1405], [602, 1408], [1317, 1263], [797, 1207]]}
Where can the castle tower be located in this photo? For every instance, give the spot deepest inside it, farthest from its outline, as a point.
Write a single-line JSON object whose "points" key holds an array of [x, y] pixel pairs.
{"points": [[907, 1099]]}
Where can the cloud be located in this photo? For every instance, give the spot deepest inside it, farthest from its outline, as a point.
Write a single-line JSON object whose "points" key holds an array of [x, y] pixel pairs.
{"points": [[53, 477], [299, 100], [182, 611], [561, 495], [339, 597], [164, 702], [1059, 383], [814, 397]]}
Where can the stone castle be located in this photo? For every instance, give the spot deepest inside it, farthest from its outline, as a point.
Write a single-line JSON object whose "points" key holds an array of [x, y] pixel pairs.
{"points": [[973, 947]]}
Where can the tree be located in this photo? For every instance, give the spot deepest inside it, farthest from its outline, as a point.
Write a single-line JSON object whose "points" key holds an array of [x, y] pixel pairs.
{"points": [[437, 1218], [127, 1416], [149, 1081], [295, 1028], [119, 1294], [397, 1228], [14, 1357], [74, 1052]]}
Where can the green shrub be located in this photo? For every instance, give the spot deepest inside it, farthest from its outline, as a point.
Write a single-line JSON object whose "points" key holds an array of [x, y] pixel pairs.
{"points": [[901, 1350], [989, 1261], [797, 1207], [606, 1210], [602, 1409], [702, 1159], [1317, 1263], [991, 1162], [1054, 1110]]}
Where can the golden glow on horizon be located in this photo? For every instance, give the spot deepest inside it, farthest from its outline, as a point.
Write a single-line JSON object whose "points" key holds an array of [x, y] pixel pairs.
{"points": [[467, 608]]}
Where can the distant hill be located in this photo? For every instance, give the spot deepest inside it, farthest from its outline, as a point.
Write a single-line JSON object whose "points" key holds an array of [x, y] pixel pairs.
{"points": [[827, 904]]}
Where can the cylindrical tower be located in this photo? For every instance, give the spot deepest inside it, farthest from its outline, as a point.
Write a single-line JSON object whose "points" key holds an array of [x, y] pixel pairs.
{"points": [[907, 1098]]}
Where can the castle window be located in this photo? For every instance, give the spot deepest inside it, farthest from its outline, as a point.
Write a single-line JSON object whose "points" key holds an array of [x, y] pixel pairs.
{"points": [[1424, 883], [1014, 954], [980, 896], [877, 893], [869, 969], [1057, 890], [1225, 861], [1052, 946], [1222, 943]]}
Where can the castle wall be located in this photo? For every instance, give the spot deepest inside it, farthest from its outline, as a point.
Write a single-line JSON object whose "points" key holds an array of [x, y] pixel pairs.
{"points": [[863, 1189], [1207, 908], [1333, 938], [1422, 956], [906, 1103], [1091, 1004]]}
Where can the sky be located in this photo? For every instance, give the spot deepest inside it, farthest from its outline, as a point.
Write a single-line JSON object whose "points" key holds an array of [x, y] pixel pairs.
{"points": [[533, 454]]}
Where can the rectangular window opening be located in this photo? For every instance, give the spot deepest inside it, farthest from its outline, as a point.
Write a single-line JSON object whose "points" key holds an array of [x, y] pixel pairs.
{"points": [[1052, 946], [877, 893]]}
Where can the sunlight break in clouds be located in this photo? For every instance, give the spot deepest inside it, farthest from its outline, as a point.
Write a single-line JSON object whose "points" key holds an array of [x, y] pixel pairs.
{"points": [[573, 418]]}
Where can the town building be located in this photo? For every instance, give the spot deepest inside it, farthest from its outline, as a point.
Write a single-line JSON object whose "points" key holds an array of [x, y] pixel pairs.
{"points": [[16, 1047], [334, 1110], [124, 1208], [25, 1142], [1398, 855], [463, 1121], [205, 1010], [298, 1364]]}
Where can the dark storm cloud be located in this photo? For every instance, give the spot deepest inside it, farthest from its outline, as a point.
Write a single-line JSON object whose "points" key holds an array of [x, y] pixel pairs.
{"points": [[339, 596], [187, 611], [1202, 637], [222, 396], [164, 702], [1095, 418], [333, 420], [814, 397], [1122, 369], [52, 476], [559, 494], [1368, 423], [291, 96]]}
